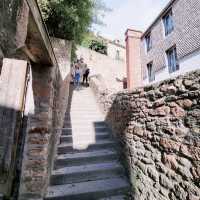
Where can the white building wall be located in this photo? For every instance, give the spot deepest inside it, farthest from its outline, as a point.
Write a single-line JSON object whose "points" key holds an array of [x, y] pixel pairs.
{"points": [[113, 71], [112, 51], [186, 64]]}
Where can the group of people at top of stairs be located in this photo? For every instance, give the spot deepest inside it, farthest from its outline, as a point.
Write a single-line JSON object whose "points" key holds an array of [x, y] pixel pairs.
{"points": [[79, 72]]}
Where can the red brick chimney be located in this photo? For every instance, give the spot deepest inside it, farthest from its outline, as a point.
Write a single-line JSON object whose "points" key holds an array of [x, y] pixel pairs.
{"points": [[133, 59]]}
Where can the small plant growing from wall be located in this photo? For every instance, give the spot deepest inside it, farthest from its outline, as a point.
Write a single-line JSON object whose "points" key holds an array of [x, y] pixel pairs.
{"points": [[98, 46]]}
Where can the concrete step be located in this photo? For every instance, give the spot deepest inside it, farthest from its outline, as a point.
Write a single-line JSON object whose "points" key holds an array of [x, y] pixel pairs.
{"points": [[84, 130], [119, 197], [83, 110], [89, 172], [84, 118], [85, 146], [84, 107], [83, 136], [68, 123], [86, 112], [90, 190], [75, 159]]}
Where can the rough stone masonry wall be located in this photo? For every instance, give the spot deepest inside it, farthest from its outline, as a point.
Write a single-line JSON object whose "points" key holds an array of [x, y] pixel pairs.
{"points": [[158, 128]]}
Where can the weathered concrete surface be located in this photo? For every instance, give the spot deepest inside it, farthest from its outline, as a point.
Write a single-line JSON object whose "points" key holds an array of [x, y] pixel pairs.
{"points": [[48, 99], [159, 130], [23, 33], [112, 71], [39, 133], [97, 173], [12, 86], [13, 25]]}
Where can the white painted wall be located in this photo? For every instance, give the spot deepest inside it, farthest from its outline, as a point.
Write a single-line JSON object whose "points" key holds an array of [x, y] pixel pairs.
{"points": [[186, 64], [113, 71], [190, 62], [112, 51]]}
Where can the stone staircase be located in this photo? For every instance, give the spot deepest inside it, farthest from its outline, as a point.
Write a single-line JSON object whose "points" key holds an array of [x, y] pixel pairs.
{"points": [[86, 166]]}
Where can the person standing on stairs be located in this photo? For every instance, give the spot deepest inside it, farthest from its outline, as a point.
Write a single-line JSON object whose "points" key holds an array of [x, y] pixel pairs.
{"points": [[72, 72], [81, 66], [86, 72], [77, 76]]}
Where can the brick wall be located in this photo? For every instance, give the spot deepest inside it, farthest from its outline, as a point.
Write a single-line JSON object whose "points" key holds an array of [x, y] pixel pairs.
{"points": [[158, 128], [46, 106], [186, 16]]}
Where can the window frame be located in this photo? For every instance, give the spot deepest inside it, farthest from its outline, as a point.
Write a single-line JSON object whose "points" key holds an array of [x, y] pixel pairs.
{"points": [[172, 60], [148, 42], [168, 22], [150, 72]]}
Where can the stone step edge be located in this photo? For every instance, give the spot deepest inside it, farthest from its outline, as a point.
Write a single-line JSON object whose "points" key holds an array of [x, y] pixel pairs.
{"points": [[87, 168], [107, 141], [110, 187], [86, 154]]}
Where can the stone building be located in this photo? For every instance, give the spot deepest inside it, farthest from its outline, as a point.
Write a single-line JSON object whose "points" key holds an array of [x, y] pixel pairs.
{"points": [[169, 47]]}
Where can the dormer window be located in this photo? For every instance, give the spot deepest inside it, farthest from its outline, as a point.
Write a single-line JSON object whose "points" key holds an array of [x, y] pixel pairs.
{"points": [[148, 42], [168, 22]]}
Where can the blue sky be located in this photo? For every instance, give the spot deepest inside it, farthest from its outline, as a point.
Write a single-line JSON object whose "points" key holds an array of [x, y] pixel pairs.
{"points": [[135, 14]]}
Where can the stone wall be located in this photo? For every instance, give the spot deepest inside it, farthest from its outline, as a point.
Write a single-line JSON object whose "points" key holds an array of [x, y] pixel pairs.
{"points": [[158, 128]]}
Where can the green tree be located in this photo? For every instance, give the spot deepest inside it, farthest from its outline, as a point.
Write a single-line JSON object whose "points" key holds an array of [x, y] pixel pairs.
{"points": [[71, 19]]}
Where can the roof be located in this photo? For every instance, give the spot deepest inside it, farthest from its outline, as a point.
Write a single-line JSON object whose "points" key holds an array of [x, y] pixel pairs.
{"points": [[163, 12]]}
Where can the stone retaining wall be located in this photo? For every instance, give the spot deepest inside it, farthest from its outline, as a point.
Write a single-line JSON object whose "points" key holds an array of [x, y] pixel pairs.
{"points": [[158, 128]]}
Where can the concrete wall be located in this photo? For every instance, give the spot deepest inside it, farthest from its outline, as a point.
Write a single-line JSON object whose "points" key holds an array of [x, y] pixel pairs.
{"points": [[158, 128], [47, 103], [13, 26], [23, 35], [113, 49], [186, 37], [12, 86], [113, 71]]}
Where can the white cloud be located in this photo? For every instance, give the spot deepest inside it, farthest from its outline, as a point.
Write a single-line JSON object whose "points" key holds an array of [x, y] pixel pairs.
{"points": [[135, 14]]}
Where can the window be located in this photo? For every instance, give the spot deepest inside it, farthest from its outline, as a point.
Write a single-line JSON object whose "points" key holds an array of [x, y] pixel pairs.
{"points": [[148, 42], [117, 55], [172, 60], [151, 75], [168, 23]]}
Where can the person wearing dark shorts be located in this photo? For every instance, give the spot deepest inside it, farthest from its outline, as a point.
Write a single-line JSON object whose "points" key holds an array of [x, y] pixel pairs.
{"points": [[85, 75]]}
